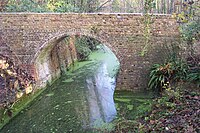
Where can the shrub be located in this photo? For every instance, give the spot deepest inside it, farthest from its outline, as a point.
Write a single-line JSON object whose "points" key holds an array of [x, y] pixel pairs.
{"points": [[24, 6], [162, 74], [159, 76], [179, 68], [175, 69], [190, 31]]}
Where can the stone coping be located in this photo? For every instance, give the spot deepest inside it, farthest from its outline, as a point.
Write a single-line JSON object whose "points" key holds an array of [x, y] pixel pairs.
{"points": [[98, 13]]}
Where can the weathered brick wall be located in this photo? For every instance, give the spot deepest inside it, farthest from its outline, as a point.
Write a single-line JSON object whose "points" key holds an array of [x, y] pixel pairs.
{"points": [[54, 60], [25, 36]]}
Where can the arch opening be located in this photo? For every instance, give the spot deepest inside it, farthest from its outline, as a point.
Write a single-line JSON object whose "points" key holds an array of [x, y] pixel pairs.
{"points": [[55, 56], [97, 78]]}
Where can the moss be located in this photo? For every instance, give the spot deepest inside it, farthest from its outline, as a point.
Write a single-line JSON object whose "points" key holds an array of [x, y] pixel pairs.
{"points": [[19, 106]]}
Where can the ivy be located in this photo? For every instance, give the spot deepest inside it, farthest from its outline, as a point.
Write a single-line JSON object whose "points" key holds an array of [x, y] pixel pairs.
{"points": [[148, 6]]}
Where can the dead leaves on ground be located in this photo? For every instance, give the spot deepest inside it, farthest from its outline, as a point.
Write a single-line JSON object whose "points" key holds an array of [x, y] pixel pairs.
{"points": [[14, 82], [184, 117]]}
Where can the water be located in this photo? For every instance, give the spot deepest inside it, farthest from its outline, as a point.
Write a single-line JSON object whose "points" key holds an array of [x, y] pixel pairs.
{"points": [[132, 105], [77, 102], [100, 89]]}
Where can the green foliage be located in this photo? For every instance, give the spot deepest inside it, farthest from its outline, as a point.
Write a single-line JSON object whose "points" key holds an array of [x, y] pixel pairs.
{"points": [[162, 74], [189, 24], [179, 68], [93, 43], [148, 6], [175, 69], [50, 6], [144, 108], [190, 31], [82, 48], [60, 6], [159, 76], [164, 102], [32, 6], [85, 45], [187, 12], [24, 6], [130, 107]]}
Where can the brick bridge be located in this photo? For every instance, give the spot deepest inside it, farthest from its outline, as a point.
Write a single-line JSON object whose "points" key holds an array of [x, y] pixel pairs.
{"points": [[30, 40]]}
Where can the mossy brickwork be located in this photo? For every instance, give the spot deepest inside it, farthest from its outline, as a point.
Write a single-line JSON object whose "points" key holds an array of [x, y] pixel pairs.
{"points": [[26, 36]]}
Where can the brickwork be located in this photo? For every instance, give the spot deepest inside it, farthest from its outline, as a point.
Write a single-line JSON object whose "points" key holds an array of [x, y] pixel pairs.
{"points": [[27, 36]]}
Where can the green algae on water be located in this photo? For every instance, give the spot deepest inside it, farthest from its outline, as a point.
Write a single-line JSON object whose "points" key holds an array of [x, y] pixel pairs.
{"points": [[68, 80], [133, 104], [123, 100], [63, 106]]}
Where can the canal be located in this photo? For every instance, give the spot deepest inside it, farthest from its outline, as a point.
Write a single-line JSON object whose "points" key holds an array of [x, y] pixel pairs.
{"points": [[83, 100], [79, 101]]}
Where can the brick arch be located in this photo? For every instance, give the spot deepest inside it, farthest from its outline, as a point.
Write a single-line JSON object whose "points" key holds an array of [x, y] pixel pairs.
{"points": [[46, 48], [59, 36]]}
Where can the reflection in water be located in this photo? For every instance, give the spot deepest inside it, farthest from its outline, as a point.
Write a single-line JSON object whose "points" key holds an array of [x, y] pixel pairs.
{"points": [[78, 101], [101, 89]]}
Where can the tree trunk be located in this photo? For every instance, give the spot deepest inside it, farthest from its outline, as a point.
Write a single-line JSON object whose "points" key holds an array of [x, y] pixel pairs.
{"points": [[168, 8], [171, 7]]}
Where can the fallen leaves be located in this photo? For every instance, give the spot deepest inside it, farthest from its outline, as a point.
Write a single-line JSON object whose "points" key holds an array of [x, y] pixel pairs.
{"points": [[14, 82], [183, 118], [28, 89]]}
